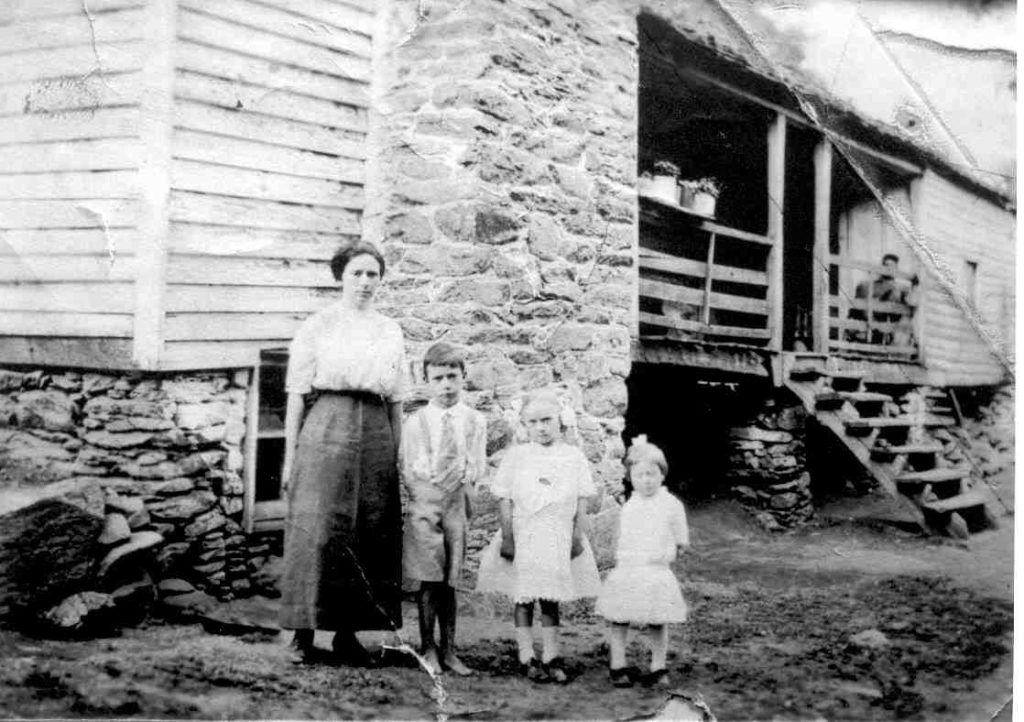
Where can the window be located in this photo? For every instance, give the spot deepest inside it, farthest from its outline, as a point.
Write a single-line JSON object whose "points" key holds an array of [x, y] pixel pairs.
{"points": [[265, 454]]}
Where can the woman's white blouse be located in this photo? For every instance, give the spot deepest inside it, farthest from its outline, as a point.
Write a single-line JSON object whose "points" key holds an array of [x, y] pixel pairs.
{"points": [[343, 349]]}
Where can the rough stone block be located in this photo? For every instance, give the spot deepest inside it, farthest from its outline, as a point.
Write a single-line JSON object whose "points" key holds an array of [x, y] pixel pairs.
{"points": [[108, 440], [47, 409], [180, 508]]}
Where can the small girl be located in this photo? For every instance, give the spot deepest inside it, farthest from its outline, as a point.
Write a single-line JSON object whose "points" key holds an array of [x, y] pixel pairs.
{"points": [[641, 589], [540, 553]]}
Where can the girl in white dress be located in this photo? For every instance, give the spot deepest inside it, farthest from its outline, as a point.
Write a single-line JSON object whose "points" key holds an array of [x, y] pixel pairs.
{"points": [[641, 589], [541, 553]]}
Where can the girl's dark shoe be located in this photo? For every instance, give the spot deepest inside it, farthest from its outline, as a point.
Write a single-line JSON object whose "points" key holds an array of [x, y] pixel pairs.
{"points": [[621, 677], [657, 678], [301, 646], [555, 670]]}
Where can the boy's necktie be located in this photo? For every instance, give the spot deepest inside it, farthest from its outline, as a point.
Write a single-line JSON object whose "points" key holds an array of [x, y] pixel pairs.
{"points": [[449, 471]]}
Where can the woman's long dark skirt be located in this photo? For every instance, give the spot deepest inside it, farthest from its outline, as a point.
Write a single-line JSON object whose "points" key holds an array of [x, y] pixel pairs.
{"points": [[343, 535]]}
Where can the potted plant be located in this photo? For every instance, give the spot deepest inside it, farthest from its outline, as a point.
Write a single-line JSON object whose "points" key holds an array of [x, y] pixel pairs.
{"points": [[700, 195], [664, 184]]}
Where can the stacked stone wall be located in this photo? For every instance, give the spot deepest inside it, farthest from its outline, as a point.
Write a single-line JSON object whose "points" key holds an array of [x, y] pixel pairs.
{"points": [[502, 191], [767, 464], [145, 453]]}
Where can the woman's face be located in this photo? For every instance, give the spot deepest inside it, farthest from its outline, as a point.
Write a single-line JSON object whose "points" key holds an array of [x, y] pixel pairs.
{"points": [[542, 422], [359, 280]]}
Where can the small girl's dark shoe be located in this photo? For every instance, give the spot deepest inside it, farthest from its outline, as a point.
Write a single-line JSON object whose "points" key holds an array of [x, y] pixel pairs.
{"points": [[555, 670], [657, 678], [533, 671], [621, 677]]}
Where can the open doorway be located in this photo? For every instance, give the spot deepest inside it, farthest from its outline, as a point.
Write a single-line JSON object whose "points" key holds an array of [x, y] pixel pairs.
{"points": [[798, 240]]}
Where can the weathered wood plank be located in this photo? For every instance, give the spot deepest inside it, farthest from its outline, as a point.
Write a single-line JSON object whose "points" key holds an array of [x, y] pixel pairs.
{"points": [[34, 323], [873, 348], [209, 30], [776, 203], [697, 327], [231, 326], [68, 297], [681, 294], [202, 355], [71, 64], [268, 18], [65, 95], [235, 66], [236, 95], [231, 271], [12, 11], [67, 268], [339, 16], [100, 123], [657, 261], [110, 213], [822, 228], [70, 185], [71, 30], [194, 115], [196, 146], [105, 154], [69, 242], [85, 353], [194, 238], [198, 299], [876, 306], [205, 178], [186, 206]]}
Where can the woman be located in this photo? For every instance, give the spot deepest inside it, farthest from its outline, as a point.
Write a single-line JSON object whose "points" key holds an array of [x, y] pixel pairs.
{"points": [[343, 537]]}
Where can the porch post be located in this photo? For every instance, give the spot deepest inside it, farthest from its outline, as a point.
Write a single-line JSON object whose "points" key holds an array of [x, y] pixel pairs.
{"points": [[776, 200], [822, 216]]}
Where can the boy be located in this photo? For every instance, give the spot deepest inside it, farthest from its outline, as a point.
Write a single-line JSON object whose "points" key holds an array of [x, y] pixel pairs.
{"points": [[444, 454]]}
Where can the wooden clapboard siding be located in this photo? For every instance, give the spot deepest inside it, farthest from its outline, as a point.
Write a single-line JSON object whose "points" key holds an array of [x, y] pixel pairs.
{"points": [[271, 104], [960, 226], [69, 187]]}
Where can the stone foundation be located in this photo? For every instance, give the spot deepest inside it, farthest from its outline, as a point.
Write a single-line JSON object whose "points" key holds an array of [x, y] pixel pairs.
{"points": [[145, 453], [767, 465]]}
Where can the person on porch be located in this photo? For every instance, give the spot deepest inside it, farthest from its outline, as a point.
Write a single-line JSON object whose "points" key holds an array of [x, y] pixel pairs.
{"points": [[888, 288]]}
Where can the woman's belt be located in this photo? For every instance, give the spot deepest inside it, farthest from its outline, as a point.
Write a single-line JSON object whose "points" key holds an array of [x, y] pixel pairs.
{"points": [[358, 394]]}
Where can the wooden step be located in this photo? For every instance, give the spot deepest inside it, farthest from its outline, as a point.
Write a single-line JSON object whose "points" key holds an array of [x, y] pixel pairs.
{"points": [[807, 372], [896, 449], [837, 398], [846, 381], [960, 501], [880, 422], [933, 476]]}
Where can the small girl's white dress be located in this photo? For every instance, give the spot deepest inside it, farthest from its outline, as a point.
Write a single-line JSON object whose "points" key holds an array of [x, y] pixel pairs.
{"points": [[642, 588], [545, 484]]}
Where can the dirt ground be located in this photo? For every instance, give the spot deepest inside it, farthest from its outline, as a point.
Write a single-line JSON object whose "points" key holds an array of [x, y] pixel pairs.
{"points": [[769, 639]]}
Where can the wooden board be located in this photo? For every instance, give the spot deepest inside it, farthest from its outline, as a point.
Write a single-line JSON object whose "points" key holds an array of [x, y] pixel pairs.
{"points": [[230, 271], [19, 10], [205, 178], [334, 14], [68, 95], [873, 348], [34, 323], [234, 123], [230, 326], [200, 299], [698, 327], [103, 297], [71, 30], [106, 354], [69, 65], [70, 185], [69, 242], [186, 206], [681, 294], [92, 213], [67, 268], [210, 30], [196, 238], [235, 66], [657, 261], [271, 19], [190, 145], [200, 355], [92, 123], [107, 154]]}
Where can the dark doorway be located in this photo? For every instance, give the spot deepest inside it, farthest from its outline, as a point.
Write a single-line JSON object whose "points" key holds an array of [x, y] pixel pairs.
{"points": [[798, 241]]}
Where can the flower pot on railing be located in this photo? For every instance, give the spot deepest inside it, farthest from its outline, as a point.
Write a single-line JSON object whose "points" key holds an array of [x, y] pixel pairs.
{"points": [[699, 196], [664, 188], [704, 203]]}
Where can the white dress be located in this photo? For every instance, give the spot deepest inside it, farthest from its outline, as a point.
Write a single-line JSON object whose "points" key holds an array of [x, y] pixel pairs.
{"points": [[545, 484], [642, 588]]}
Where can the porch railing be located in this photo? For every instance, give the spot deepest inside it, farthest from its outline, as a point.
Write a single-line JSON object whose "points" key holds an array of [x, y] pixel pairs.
{"points": [[870, 314], [702, 280]]}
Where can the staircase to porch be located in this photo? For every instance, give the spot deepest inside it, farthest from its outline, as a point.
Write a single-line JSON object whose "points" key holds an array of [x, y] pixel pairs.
{"points": [[898, 448]]}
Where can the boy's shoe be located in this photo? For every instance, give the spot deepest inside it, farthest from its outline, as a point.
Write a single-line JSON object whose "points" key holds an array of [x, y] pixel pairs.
{"points": [[533, 671], [621, 677], [555, 670], [658, 678]]}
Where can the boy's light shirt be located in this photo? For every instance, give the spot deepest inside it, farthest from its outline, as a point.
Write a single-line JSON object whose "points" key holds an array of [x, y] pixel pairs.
{"points": [[417, 464]]}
